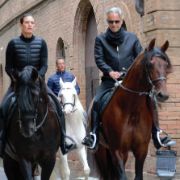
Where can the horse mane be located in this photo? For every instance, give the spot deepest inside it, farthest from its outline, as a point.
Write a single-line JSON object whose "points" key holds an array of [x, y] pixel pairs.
{"points": [[78, 103], [139, 63], [43, 92], [29, 85]]}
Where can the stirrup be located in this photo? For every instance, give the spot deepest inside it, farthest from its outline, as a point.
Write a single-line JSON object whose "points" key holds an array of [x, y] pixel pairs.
{"points": [[70, 147], [90, 140], [94, 140], [67, 147], [167, 138]]}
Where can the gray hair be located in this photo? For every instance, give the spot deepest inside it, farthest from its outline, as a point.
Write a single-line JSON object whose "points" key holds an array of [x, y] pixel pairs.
{"points": [[116, 10]]}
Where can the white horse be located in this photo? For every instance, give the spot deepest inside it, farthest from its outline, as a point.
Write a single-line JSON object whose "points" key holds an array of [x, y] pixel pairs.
{"points": [[75, 118]]}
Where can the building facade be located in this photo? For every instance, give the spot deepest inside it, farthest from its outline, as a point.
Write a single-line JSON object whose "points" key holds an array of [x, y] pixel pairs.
{"points": [[69, 28]]}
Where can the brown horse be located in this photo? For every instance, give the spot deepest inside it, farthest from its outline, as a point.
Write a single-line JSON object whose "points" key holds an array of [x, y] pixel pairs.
{"points": [[128, 118], [33, 133]]}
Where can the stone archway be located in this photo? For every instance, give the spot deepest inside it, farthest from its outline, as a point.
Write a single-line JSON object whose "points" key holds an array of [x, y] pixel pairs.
{"points": [[91, 70], [85, 31]]}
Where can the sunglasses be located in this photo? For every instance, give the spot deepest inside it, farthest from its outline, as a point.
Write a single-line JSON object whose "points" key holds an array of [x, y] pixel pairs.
{"points": [[112, 22]]}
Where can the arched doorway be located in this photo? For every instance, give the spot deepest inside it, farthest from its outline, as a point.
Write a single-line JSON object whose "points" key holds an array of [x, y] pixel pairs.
{"points": [[60, 52], [91, 70], [85, 30]]}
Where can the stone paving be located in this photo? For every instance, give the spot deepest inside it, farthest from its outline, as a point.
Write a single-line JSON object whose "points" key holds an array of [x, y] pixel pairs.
{"points": [[77, 173]]}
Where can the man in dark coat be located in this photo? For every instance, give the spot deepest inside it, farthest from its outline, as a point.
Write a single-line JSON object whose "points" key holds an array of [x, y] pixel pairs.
{"points": [[115, 50]]}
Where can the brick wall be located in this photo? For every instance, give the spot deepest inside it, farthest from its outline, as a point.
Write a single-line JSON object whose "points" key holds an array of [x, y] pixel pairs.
{"points": [[67, 20], [161, 21]]}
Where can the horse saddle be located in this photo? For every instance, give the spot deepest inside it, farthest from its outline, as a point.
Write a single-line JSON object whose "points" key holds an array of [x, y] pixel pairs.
{"points": [[97, 109], [104, 99]]}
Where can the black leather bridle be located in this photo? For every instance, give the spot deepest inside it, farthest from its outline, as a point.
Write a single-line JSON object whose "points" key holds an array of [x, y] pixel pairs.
{"points": [[154, 53]]}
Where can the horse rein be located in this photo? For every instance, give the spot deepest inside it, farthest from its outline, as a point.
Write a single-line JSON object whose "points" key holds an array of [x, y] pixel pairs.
{"points": [[150, 93], [36, 127]]}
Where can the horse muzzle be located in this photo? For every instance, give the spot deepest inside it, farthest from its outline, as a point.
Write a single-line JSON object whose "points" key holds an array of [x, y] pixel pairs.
{"points": [[161, 97], [28, 131], [27, 134]]}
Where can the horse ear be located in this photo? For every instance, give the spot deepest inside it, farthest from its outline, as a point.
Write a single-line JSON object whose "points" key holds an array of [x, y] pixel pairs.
{"points": [[165, 46], [61, 82], [74, 82], [151, 45]]}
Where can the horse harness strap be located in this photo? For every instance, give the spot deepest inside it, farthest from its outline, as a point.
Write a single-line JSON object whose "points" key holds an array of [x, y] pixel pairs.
{"points": [[161, 78], [140, 93], [155, 53], [42, 122], [36, 127], [151, 93], [69, 103]]}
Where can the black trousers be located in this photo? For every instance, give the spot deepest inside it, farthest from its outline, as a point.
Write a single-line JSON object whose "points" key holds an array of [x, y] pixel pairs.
{"points": [[106, 84]]}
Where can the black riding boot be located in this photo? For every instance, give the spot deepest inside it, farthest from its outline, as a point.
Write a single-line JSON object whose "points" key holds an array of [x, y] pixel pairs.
{"points": [[92, 139], [65, 148], [163, 141], [158, 141]]}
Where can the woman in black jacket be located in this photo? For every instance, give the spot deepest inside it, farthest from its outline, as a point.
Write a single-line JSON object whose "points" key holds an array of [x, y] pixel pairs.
{"points": [[22, 51], [115, 50]]}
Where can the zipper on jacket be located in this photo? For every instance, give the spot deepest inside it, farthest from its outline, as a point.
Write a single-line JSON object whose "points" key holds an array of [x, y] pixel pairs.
{"points": [[28, 53], [118, 51]]}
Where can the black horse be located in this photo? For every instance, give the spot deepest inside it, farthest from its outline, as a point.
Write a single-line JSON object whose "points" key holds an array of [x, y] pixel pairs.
{"points": [[33, 134]]}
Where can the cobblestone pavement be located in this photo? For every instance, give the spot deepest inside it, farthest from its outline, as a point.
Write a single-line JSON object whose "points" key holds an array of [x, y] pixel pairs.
{"points": [[77, 173]]}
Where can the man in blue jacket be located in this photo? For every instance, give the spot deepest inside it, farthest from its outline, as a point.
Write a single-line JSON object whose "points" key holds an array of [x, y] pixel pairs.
{"points": [[66, 76]]}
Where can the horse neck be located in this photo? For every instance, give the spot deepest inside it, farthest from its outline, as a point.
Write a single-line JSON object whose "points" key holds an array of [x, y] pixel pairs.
{"points": [[78, 104], [137, 78]]}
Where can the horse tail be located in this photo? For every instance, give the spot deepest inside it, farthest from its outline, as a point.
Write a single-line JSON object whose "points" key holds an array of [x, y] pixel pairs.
{"points": [[107, 168]]}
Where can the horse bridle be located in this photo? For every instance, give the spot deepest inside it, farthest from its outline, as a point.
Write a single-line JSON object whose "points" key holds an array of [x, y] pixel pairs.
{"points": [[36, 126], [69, 103], [152, 92]]}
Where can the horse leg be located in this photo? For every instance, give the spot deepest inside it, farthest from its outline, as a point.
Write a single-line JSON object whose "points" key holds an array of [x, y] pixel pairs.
{"points": [[47, 167], [140, 156], [26, 169], [12, 169], [83, 158], [121, 158], [63, 167]]}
